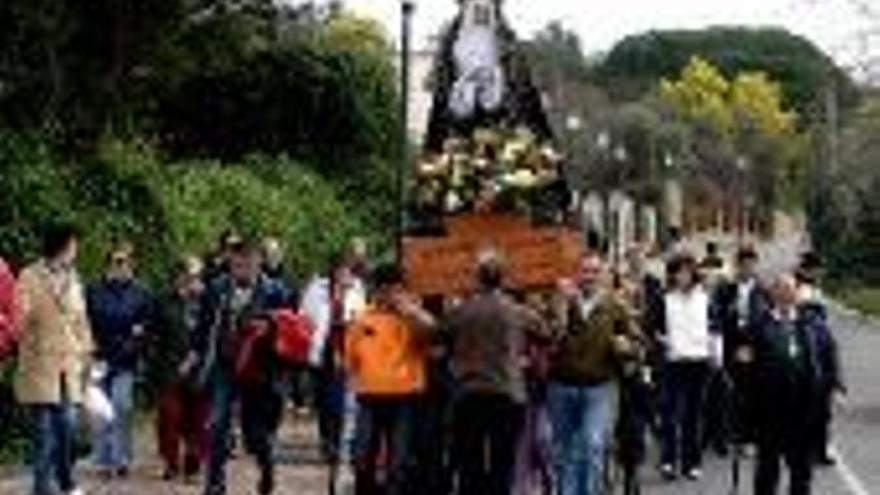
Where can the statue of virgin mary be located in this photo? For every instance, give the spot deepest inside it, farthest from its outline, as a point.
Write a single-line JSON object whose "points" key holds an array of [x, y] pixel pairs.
{"points": [[482, 78]]}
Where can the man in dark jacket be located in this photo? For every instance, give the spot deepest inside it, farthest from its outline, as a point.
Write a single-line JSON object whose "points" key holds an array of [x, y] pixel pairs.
{"points": [[488, 335], [183, 407], [833, 386], [232, 304], [120, 312], [785, 356], [736, 306]]}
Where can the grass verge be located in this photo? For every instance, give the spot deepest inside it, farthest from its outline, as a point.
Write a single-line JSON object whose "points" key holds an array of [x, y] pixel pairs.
{"points": [[864, 299]]}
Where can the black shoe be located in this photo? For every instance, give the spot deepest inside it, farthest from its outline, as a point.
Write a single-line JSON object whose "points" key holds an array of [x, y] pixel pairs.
{"points": [[267, 481], [191, 468], [170, 474], [826, 460]]}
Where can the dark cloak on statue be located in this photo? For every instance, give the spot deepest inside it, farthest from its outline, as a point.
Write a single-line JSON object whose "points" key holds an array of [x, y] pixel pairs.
{"points": [[520, 104]]}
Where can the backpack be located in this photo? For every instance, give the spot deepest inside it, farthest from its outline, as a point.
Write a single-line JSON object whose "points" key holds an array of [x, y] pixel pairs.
{"points": [[253, 343], [293, 338]]}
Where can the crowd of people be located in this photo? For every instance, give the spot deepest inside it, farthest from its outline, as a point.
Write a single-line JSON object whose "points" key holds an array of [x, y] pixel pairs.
{"points": [[498, 392]]}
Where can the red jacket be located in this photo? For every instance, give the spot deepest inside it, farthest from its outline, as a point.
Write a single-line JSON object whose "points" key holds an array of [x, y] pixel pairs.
{"points": [[9, 311]]}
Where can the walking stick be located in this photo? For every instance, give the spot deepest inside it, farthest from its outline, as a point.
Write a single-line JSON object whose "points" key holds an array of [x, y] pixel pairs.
{"points": [[736, 427]]}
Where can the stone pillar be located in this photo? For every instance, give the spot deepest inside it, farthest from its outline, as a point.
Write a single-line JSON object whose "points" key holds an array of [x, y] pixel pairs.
{"points": [[674, 203]]}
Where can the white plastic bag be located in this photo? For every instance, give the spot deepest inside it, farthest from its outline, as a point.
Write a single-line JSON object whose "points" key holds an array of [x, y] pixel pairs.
{"points": [[96, 405]]}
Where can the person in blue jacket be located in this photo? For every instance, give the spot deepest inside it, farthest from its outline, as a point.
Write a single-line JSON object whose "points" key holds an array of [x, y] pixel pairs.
{"points": [[120, 310]]}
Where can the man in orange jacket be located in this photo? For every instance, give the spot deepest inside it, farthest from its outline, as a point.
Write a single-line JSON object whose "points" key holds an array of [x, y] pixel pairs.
{"points": [[386, 354]]}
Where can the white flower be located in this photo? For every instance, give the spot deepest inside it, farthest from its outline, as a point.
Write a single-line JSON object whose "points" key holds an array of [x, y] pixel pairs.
{"points": [[482, 163], [523, 179], [551, 154], [453, 202]]}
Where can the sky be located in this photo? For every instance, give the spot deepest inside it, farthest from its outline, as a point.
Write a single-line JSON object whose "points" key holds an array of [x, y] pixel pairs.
{"points": [[834, 25]]}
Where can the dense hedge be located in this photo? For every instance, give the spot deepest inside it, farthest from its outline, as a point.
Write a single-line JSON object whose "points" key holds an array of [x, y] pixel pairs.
{"points": [[126, 191]]}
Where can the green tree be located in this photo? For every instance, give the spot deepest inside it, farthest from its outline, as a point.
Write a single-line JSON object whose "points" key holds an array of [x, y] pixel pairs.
{"points": [[845, 216], [742, 134], [634, 65]]}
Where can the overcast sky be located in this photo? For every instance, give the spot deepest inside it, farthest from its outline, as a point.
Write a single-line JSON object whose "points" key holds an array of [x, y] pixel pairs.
{"points": [[832, 24]]}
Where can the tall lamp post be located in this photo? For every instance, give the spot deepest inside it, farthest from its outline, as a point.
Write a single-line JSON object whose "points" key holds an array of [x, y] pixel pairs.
{"points": [[573, 171], [621, 156], [742, 165], [407, 8]]}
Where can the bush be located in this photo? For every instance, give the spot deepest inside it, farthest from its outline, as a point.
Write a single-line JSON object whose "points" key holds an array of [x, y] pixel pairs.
{"points": [[127, 192]]}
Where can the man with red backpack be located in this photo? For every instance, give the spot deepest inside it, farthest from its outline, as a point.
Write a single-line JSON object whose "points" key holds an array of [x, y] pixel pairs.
{"points": [[233, 336]]}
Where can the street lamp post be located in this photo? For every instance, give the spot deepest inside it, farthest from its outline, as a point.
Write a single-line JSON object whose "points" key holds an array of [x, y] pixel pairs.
{"points": [[407, 8], [621, 156], [742, 165], [573, 174], [603, 143]]}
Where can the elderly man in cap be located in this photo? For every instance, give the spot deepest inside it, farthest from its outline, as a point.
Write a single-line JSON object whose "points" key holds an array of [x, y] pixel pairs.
{"points": [[786, 357]]}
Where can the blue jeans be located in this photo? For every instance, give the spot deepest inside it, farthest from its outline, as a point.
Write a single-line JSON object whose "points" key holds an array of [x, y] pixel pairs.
{"points": [[54, 427], [684, 388], [260, 414], [582, 422], [113, 442]]}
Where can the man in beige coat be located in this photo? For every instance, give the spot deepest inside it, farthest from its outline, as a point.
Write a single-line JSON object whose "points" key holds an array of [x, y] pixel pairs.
{"points": [[54, 355]]}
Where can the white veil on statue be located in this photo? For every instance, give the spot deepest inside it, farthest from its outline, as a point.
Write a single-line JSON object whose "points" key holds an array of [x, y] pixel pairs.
{"points": [[480, 83]]}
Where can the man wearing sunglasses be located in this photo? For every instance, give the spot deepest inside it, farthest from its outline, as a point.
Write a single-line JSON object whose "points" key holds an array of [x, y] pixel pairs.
{"points": [[120, 311]]}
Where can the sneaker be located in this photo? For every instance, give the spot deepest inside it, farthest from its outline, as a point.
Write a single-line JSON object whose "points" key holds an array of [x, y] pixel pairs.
{"points": [[345, 481], [668, 472], [75, 491], [694, 474]]}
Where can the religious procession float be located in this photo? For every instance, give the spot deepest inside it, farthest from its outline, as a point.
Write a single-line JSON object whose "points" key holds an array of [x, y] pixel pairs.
{"points": [[489, 175]]}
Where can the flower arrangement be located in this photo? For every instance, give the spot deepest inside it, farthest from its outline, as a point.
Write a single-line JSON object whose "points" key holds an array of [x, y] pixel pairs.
{"points": [[496, 169]]}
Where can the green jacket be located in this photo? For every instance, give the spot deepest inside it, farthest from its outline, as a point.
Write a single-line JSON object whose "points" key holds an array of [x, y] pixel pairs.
{"points": [[171, 338], [586, 353]]}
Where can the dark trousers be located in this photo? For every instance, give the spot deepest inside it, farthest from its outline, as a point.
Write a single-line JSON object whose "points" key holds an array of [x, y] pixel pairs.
{"points": [[822, 436], [53, 456], [182, 422], [684, 385], [385, 426], [330, 403], [486, 433], [797, 456], [743, 422], [717, 412], [260, 409], [432, 435]]}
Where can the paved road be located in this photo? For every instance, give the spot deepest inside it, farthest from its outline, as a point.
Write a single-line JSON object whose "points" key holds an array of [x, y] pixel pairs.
{"points": [[857, 433]]}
